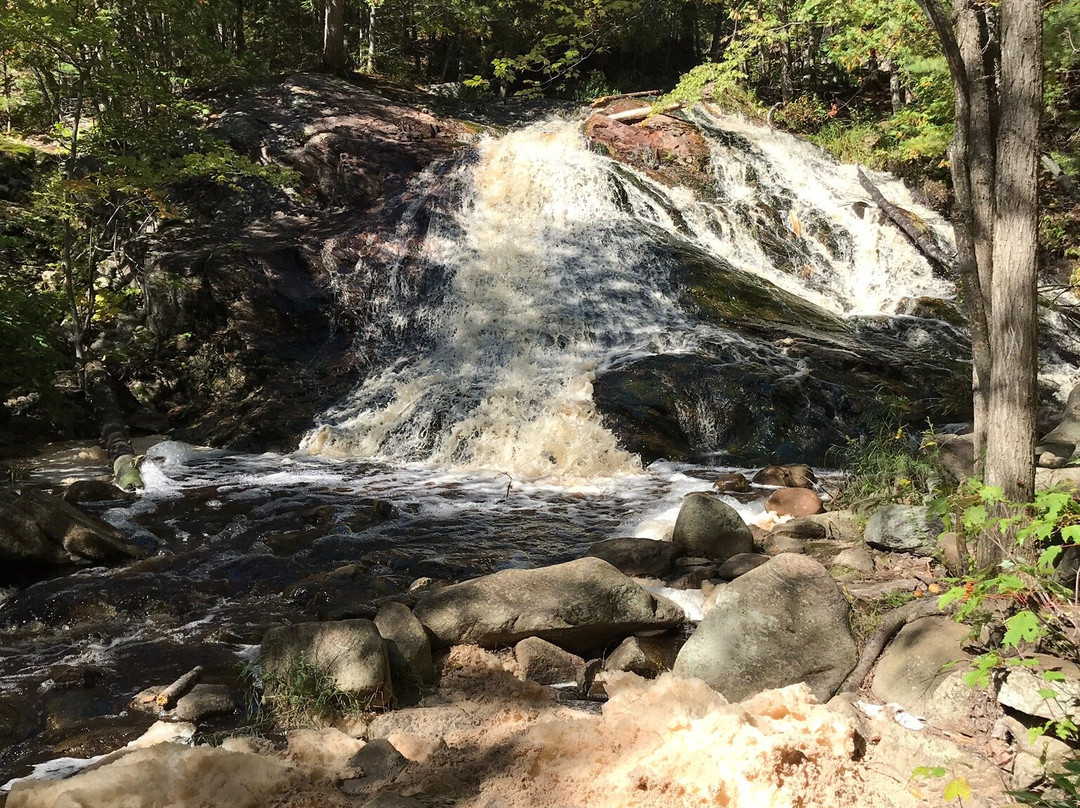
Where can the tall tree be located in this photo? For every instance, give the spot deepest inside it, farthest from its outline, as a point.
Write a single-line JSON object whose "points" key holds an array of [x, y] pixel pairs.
{"points": [[997, 89], [334, 55]]}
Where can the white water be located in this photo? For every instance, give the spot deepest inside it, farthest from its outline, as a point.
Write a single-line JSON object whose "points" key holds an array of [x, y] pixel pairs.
{"points": [[546, 268]]}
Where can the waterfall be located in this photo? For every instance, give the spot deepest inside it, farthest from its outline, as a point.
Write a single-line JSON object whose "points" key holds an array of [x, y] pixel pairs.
{"points": [[538, 269]]}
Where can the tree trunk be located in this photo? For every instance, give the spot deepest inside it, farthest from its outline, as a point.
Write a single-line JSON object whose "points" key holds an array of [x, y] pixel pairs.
{"points": [[370, 61], [1010, 455], [334, 35]]}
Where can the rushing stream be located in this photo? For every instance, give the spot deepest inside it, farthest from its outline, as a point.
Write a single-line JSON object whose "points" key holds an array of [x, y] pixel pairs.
{"points": [[473, 442]]}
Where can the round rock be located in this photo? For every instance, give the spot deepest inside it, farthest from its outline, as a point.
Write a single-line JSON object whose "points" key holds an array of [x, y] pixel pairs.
{"points": [[708, 526]]}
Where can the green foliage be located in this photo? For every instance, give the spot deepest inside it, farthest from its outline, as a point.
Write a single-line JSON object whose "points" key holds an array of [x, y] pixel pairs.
{"points": [[304, 695], [720, 83], [852, 142], [1034, 611], [889, 466]]}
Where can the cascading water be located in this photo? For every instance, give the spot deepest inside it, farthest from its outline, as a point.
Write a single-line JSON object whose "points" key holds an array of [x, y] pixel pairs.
{"points": [[541, 260]]}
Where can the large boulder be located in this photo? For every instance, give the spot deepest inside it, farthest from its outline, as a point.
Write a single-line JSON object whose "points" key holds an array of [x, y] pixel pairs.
{"points": [[547, 664], [904, 529], [38, 530], [578, 605], [350, 652], [922, 670], [1059, 445], [782, 623], [639, 557], [707, 526], [408, 650], [798, 502]]}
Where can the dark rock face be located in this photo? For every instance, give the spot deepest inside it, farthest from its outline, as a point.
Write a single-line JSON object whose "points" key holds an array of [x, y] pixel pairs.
{"points": [[795, 381], [250, 339], [40, 533]]}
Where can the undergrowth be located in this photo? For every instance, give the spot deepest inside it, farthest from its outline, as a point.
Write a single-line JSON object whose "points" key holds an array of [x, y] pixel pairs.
{"points": [[891, 466], [303, 695]]}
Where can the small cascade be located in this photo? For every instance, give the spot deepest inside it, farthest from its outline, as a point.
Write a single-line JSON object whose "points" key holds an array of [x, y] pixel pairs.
{"points": [[542, 264]]}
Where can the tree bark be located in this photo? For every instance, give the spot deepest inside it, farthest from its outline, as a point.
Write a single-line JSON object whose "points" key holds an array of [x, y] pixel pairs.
{"points": [[114, 431], [1010, 457], [334, 35]]}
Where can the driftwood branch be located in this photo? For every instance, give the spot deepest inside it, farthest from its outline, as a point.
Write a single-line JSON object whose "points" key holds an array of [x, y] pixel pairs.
{"points": [[917, 235], [604, 100], [114, 432], [890, 626], [168, 697], [641, 113], [1060, 177]]}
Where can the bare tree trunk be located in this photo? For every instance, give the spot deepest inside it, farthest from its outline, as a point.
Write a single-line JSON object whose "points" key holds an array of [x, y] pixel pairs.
{"points": [[1010, 456], [370, 61], [334, 35]]}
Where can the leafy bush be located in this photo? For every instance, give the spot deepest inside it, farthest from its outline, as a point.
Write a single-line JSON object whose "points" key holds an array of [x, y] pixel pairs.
{"points": [[1032, 611], [890, 466]]}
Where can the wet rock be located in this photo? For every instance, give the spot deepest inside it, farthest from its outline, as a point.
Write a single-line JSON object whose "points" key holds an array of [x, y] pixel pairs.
{"points": [[667, 148], [904, 529], [38, 530], [793, 475], [782, 623], [734, 483], [793, 502], [409, 650], [637, 557], [708, 526], [646, 656], [922, 670], [740, 565], [204, 701], [95, 491], [577, 605], [350, 652], [1022, 686], [547, 664]]}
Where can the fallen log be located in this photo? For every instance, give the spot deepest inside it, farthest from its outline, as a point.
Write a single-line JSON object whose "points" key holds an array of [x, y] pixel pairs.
{"points": [[168, 697], [918, 236], [114, 432], [641, 113], [604, 100], [1060, 177]]}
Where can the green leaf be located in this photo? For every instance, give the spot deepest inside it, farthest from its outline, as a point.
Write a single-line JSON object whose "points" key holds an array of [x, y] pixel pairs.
{"points": [[1047, 693], [957, 789], [954, 594], [1053, 676], [1023, 626], [928, 771], [1049, 556], [974, 517]]}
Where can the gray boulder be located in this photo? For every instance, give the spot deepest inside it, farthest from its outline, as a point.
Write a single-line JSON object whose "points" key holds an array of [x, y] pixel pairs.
{"points": [[645, 656], [922, 670], [782, 623], [408, 651], [547, 664], [203, 701], [639, 557], [39, 529], [904, 529], [740, 565], [1024, 690], [578, 605], [350, 652], [708, 526], [1059, 445]]}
